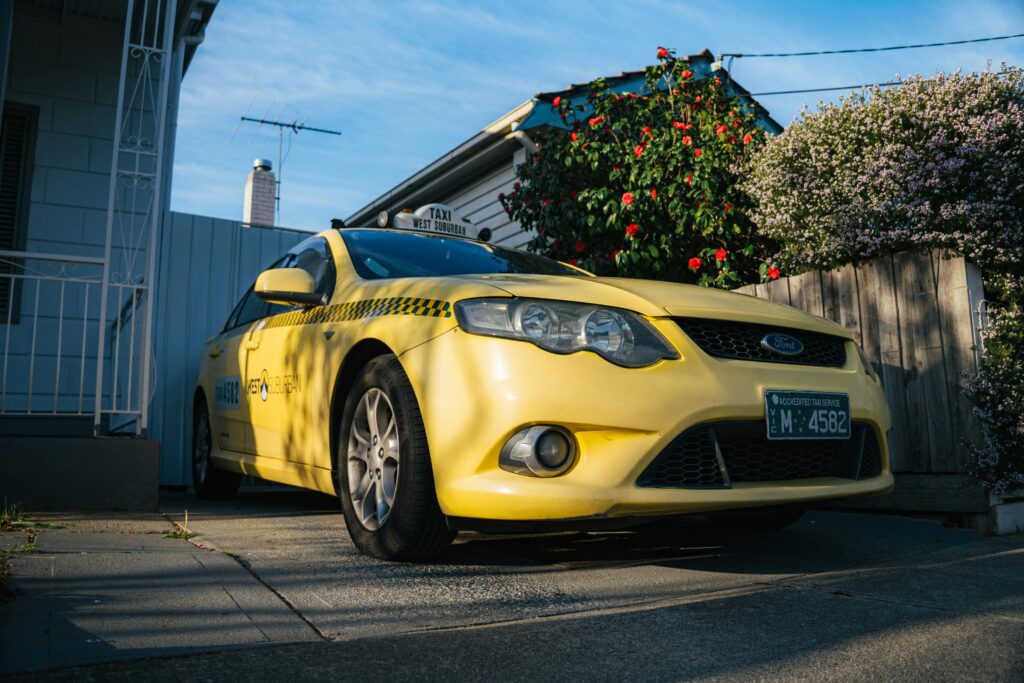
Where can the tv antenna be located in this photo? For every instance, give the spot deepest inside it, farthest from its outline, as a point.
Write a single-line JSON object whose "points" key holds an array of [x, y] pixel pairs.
{"points": [[292, 128]]}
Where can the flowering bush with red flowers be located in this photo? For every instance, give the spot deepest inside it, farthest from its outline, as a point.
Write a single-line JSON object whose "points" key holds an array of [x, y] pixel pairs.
{"points": [[644, 184]]}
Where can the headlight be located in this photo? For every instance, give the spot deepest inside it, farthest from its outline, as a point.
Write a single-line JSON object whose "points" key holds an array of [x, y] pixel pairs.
{"points": [[869, 369], [622, 337]]}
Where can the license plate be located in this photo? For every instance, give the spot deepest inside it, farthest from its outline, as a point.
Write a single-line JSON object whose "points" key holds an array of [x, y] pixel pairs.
{"points": [[807, 415]]}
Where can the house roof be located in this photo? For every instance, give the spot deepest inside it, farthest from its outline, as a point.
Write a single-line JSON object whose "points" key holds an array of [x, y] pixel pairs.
{"points": [[489, 146], [635, 81]]}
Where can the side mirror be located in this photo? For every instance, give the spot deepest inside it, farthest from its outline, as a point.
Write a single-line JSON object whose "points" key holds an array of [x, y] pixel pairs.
{"points": [[290, 286]]}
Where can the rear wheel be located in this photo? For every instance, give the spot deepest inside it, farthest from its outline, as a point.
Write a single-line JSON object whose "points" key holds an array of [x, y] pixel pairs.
{"points": [[208, 480], [752, 521], [383, 471]]}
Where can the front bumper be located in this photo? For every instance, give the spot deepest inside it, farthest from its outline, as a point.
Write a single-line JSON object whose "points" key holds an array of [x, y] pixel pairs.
{"points": [[475, 392]]}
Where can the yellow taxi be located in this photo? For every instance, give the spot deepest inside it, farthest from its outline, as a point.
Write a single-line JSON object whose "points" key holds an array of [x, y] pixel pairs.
{"points": [[435, 382]]}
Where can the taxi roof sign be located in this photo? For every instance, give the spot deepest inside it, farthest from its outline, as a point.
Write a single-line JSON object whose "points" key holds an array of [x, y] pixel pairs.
{"points": [[438, 219]]}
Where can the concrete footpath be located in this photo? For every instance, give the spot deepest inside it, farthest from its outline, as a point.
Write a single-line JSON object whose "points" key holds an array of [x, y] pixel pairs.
{"points": [[270, 587]]}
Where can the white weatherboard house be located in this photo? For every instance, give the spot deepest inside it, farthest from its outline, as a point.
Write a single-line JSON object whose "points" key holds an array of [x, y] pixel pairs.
{"points": [[105, 296], [470, 177]]}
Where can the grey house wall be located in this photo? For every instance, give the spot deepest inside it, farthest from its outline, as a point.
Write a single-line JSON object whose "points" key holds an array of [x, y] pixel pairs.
{"points": [[68, 68], [478, 201], [205, 264], [67, 65]]}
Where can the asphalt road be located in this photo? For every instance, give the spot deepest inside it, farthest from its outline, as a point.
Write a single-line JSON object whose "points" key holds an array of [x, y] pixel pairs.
{"points": [[271, 588]]}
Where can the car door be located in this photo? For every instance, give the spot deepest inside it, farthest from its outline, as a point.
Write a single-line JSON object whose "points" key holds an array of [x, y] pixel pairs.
{"points": [[228, 358], [284, 364]]}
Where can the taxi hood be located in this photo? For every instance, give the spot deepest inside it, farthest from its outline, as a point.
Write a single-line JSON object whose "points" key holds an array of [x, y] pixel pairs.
{"points": [[660, 299]]}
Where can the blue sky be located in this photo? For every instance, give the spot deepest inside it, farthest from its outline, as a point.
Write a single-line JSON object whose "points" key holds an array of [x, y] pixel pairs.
{"points": [[408, 81]]}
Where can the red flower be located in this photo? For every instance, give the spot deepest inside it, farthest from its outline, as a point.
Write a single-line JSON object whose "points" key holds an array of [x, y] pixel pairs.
{"points": [[516, 185], [654, 193], [686, 73], [627, 198], [572, 194], [545, 203], [687, 140], [662, 53], [501, 196], [557, 101], [689, 178], [632, 229], [573, 262], [580, 246], [615, 254], [722, 129], [679, 125], [736, 123], [697, 98], [695, 263], [726, 209], [540, 229], [646, 130], [697, 152], [638, 151], [731, 138], [747, 138], [574, 137], [721, 255], [595, 121], [774, 273]]}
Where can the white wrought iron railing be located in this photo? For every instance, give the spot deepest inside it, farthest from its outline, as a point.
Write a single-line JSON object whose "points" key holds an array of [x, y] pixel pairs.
{"points": [[49, 323]]}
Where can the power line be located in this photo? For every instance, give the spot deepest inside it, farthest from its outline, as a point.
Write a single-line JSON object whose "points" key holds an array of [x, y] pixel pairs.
{"points": [[858, 86], [871, 49], [838, 87]]}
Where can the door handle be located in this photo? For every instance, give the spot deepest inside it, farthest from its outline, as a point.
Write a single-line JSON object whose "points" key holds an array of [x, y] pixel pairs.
{"points": [[216, 352], [252, 344]]}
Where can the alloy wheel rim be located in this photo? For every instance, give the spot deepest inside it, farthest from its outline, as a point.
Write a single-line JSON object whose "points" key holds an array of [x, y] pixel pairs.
{"points": [[372, 459], [202, 449]]}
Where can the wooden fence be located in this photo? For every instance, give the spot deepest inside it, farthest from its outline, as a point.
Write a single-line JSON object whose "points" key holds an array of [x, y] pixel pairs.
{"points": [[916, 316]]}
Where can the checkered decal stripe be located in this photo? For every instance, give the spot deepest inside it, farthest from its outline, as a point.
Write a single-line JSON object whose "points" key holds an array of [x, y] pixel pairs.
{"points": [[370, 308]]}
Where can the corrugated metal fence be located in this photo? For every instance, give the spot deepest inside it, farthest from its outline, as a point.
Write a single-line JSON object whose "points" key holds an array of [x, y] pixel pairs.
{"points": [[915, 316], [205, 264]]}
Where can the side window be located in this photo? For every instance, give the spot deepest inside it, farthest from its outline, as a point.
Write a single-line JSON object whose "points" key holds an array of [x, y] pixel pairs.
{"points": [[251, 307], [314, 256]]}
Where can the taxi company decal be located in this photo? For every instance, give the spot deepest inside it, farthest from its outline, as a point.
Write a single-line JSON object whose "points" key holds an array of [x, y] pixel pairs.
{"points": [[437, 218], [227, 390], [370, 308], [267, 385]]}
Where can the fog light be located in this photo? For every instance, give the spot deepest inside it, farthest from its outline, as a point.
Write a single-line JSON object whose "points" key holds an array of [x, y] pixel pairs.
{"points": [[552, 449], [539, 451]]}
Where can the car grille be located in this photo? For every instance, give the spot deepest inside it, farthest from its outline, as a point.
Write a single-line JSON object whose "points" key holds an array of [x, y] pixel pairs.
{"points": [[742, 341], [720, 454]]}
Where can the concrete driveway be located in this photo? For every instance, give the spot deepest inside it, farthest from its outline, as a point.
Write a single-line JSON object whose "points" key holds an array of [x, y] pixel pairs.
{"points": [[271, 588]]}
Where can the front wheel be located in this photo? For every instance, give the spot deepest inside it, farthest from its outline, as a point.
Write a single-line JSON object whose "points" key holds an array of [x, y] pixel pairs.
{"points": [[383, 470], [752, 521], [208, 480]]}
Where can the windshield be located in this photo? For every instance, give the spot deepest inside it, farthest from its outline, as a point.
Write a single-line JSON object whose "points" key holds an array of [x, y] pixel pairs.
{"points": [[378, 254]]}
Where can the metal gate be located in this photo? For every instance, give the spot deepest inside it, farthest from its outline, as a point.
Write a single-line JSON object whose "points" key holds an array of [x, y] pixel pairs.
{"points": [[134, 210]]}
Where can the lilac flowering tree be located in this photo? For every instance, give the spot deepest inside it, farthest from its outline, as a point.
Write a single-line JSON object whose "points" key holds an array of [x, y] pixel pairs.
{"points": [[936, 162]]}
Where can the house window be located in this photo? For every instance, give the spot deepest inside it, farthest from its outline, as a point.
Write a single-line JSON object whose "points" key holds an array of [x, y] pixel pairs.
{"points": [[17, 144]]}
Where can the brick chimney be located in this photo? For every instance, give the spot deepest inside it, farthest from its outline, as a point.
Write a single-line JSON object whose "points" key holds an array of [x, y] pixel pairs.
{"points": [[260, 189]]}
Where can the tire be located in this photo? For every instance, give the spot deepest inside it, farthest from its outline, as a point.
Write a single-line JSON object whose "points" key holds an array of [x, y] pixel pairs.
{"points": [[391, 509], [209, 481], [751, 521]]}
